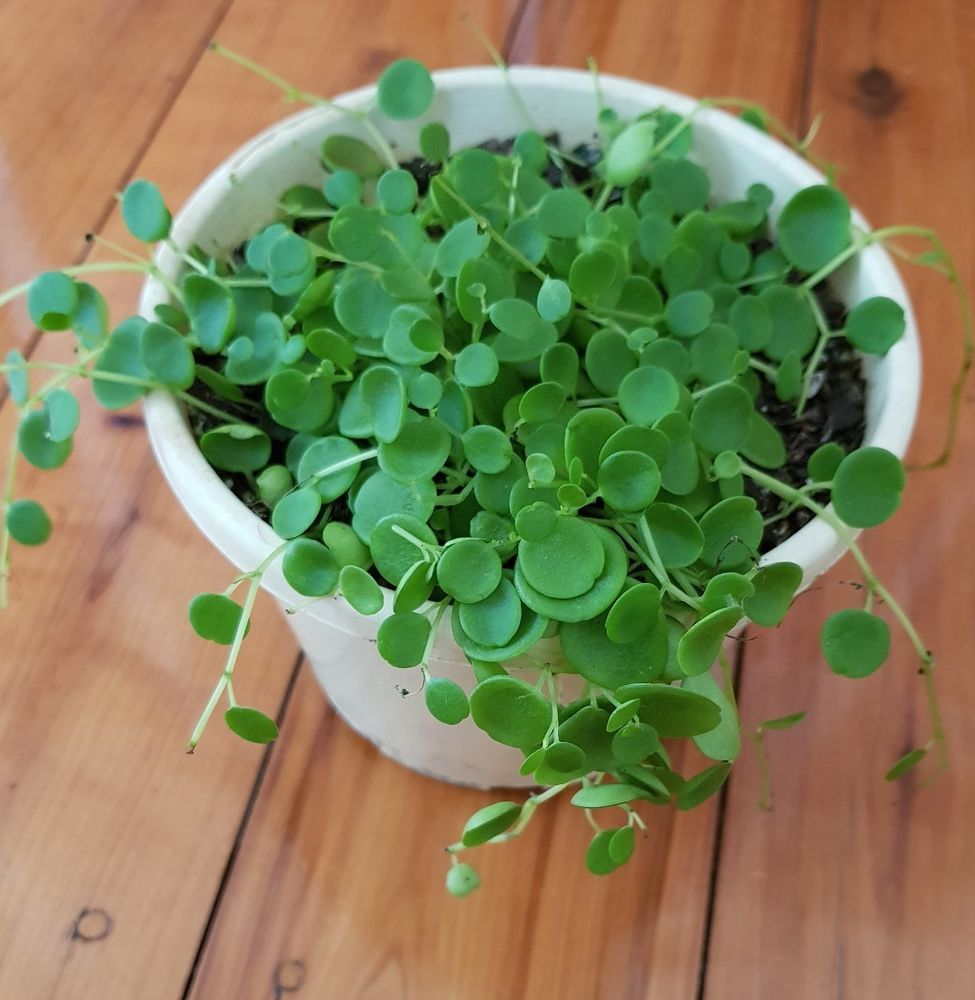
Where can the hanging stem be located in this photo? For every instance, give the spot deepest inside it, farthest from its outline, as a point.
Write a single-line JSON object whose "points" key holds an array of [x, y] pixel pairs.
{"points": [[873, 583]]}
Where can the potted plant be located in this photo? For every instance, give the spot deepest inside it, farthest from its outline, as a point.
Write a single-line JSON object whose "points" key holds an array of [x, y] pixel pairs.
{"points": [[533, 385]]}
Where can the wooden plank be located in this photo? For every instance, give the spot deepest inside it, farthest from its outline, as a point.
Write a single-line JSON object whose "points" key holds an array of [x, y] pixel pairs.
{"points": [[852, 887], [83, 86], [337, 886]]}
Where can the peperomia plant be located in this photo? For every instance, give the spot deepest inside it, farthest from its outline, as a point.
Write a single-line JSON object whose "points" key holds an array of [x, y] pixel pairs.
{"points": [[539, 393]]}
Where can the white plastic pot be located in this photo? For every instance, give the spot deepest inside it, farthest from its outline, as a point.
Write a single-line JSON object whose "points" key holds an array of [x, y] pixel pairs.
{"points": [[475, 105]]}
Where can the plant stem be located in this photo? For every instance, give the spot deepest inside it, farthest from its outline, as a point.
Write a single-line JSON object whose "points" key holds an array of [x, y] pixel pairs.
{"points": [[8, 496], [77, 271], [228, 671], [788, 493], [825, 335], [292, 93]]}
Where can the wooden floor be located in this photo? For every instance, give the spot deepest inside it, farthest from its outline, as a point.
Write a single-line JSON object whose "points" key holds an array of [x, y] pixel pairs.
{"points": [[129, 871]]}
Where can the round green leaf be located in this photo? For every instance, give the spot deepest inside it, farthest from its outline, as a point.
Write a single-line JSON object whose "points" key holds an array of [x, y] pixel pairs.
{"points": [[236, 448], [487, 448], [361, 590], [565, 563], [434, 142], [343, 152], [814, 227], [722, 418], [475, 175], [536, 521], [462, 243], [775, 587], [167, 356], [36, 445], [462, 880], [397, 191], [531, 629], [52, 300], [215, 617], [493, 621], [310, 568], [419, 451], [395, 554], [445, 700], [634, 614], [724, 741], [343, 188], [793, 326], [251, 724], [629, 480], [402, 639], [700, 645], [28, 523], [381, 495], [211, 310], [689, 313], [598, 859], [384, 396], [323, 454], [629, 153], [510, 711], [684, 184], [144, 212], [732, 530], [593, 655], [565, 757], [676, 535], [647, 394], [824, 462], [854, 642], [476, 365], [62, 412], [867, 487], [405, 89], [554, 300], [562, 213], [122, 355], [469, 570], [875, 325], [296, 512]]}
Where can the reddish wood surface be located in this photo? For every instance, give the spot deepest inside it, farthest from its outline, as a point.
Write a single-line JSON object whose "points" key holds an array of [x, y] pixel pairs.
{"points": [[130, 870]]}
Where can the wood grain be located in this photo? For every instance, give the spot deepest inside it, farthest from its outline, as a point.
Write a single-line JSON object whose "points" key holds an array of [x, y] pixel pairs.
{"points": [[852, 887], [337, 886], [83, 87]]}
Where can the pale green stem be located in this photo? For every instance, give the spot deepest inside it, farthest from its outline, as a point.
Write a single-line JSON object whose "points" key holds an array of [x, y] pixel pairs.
{"points": [[77, 271], [788, 493], [825, 335], [292, 93], [228, 671]]}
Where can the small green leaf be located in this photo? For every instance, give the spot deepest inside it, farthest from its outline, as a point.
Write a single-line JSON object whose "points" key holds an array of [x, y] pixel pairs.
{"points": [[211, 309], [296, 512], [854, 642], [824, 462], [604, 796], [144, 212], [783, 722], [622, 714], [434, 142], [622, 844], [236, 448], [487, 448], [775, 587], [476, 365], [402, 639], [510, 711], [360, 590], [598, 859], [722, 419], [343, 152], [490, 822], [629, 480], [634, 614], [446, 700], [251, 724], [462, 880], [702, 786], [36, 445], [867, 487], [28, 523], [554, 300], [52, 300], [167, 356], [310, 568], [700, 645], [215, 617], [63, 414], [689, 313], [647, 394], [875, 325], [629, 153], [469, 570], [397, 191], [905, 763], [405, 89], [814, 227], [384, 395]]}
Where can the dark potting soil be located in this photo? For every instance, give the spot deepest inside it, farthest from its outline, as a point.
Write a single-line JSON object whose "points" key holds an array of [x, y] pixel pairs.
{"points": [[835, 410]]}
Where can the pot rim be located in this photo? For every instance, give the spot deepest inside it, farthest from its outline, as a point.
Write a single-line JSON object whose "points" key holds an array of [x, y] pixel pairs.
{"points": [[247, 540]]}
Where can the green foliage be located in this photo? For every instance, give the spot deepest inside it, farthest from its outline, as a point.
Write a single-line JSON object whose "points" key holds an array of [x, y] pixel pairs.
{"points": [[529, 397]]}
